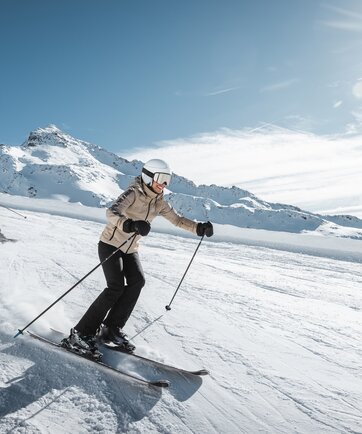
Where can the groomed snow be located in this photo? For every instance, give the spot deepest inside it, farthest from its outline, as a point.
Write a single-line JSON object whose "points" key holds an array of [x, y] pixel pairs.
{"points": [[275, 317]]}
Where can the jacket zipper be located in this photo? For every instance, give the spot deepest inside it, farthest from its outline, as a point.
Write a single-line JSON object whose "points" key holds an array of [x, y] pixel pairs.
{"points": [[149, 208]]}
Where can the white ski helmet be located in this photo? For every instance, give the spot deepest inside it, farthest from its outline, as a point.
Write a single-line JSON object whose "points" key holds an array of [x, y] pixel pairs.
{"points": [[156, 170]]}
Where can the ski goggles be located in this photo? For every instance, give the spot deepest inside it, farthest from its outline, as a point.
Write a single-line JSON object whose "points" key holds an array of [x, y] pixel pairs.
{"points": [[162, 178], [159, 177]]}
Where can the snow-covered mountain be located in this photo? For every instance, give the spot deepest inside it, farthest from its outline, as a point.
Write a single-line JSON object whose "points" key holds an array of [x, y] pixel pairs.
{"points": [[52, 164]]}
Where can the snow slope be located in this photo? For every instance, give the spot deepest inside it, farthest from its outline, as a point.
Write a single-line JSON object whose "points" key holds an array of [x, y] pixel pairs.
{"points": [[279, 330], [52, 164]]}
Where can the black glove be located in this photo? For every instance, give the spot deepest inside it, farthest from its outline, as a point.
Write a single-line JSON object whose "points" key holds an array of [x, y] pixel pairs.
{"points": [[141, 227], [205, 229]]}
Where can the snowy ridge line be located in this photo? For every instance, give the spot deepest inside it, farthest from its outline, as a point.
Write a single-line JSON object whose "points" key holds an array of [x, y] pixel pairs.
{"points": [[52, 164]]}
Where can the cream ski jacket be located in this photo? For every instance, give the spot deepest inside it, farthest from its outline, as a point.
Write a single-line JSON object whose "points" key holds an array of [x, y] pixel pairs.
{"points": [[139, 202]]}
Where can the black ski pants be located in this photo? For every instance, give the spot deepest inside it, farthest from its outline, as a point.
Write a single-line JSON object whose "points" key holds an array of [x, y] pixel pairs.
{"points": [[115, 304]]}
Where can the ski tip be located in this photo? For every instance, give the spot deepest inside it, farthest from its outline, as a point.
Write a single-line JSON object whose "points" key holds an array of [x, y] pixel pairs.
{"points": [[160, 383], [201, 372]]}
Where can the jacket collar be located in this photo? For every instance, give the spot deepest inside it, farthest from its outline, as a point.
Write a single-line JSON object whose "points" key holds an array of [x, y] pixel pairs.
{"points": [[142, 187]]}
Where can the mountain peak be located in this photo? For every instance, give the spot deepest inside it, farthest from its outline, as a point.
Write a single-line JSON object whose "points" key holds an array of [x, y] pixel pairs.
{"points": [[50, 135], [51, 128]]}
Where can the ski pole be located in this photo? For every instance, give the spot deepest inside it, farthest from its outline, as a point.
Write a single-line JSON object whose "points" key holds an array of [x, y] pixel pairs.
{"points": [[168, 306], [9, 209], [20, 331]]}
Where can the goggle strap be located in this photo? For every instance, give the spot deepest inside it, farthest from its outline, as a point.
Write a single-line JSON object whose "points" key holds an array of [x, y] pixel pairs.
{"points": [[148, 173]]}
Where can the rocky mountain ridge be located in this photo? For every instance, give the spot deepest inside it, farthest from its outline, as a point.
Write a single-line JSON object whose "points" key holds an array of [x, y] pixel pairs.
{"points": [[53, 164]]}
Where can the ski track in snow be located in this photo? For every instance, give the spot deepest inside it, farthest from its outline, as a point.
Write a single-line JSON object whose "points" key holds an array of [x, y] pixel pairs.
{"points": [[279, 331]]}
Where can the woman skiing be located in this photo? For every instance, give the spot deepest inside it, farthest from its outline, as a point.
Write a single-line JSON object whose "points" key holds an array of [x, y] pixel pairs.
{"points": [[130, 214]]}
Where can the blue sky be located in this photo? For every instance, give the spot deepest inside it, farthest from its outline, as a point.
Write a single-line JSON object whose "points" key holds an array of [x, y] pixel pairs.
{"points": [[127, 74]]}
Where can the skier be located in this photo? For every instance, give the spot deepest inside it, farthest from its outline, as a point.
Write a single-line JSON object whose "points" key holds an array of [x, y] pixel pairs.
{"points": [[130, 214]]}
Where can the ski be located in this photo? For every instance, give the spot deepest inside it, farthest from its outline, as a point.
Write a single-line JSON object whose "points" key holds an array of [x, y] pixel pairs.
{"points": [[198, 372], [156, 383]]}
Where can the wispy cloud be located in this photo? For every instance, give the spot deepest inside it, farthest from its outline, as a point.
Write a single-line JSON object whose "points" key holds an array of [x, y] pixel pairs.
{"points": [[334, 84], [355, 126], [344, 25], [221, 91], [345, 12], [357, 89], [298, 122], [347, 20], [279, 86]]}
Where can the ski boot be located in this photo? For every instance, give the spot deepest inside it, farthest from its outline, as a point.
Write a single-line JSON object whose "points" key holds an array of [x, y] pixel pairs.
{"points": [[115, 338], [83, 345]]}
